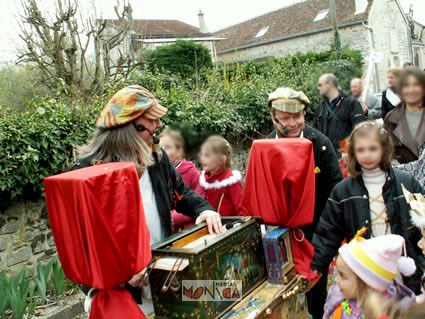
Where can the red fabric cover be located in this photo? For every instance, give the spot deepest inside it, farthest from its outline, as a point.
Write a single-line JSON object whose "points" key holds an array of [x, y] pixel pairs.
{"points": [[280, 188], [303, 252], [280, 182], [223, 187], [190, 175], [100, 230]]}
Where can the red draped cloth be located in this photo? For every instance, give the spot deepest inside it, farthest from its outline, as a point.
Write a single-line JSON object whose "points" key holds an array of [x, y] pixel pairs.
{"points": [[280, 188], [99, 226]]}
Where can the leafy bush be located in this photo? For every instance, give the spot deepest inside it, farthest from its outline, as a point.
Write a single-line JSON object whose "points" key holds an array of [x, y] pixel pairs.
{"points": [[186, 58], [39, 142]]}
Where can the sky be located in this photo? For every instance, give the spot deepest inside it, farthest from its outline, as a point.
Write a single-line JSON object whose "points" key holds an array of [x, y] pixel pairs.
{"points": [[218, 14]]}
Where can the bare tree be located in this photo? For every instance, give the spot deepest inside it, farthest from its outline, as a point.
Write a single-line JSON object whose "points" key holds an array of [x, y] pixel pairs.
{"points": [[73, 54]]}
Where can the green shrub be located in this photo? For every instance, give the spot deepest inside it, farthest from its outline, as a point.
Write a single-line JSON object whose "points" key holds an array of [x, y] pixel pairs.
{"points": [[39, 142], [185, 58]]}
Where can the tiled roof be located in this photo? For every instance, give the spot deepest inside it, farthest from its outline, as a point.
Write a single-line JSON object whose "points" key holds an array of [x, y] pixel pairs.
{"points": [[290, 21], [161, 28]]}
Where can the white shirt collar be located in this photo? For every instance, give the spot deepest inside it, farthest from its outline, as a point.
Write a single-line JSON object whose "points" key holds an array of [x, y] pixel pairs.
{"points": [[301, 135]]}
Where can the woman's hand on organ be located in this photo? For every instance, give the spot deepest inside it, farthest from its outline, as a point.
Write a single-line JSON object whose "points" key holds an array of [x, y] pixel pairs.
{"points": [[140, 280], [213, 221]]}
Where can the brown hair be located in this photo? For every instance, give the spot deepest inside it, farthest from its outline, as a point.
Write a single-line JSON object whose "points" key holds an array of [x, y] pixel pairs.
{"points": [[417, 73], [395, 71], [366, 129], [222, 147], [120, 144], [175, 136]]}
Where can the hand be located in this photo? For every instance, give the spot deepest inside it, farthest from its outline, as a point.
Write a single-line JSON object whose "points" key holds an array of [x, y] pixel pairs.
{"points": [[140, 280], [365, 108], [213, 221]]}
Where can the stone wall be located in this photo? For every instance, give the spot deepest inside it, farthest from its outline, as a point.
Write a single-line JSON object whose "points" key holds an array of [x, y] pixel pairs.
{"points": [[391, 37], [25, 237]]}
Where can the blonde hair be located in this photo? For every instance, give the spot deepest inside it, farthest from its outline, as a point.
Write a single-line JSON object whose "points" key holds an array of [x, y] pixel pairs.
{"points": [[175, 136], [375, 307], [364, 129], [395, 71], [364, 291], [120, 144], [220, 146]]}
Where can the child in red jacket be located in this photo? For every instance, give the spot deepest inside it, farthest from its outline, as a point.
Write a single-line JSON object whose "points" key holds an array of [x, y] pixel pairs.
{"points": [[222, 186], [172, 143]]}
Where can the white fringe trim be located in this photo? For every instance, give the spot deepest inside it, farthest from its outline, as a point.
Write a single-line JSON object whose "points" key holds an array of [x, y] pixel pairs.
{"points": [[237, 177], [418, 221]]}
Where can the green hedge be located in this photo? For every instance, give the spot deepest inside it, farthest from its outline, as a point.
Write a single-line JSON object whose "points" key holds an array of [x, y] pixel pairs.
{"points": [[39, 142], [232, 102]]}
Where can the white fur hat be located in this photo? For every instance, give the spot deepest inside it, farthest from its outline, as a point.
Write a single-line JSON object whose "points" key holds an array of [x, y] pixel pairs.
{"points": [[417, 205]]}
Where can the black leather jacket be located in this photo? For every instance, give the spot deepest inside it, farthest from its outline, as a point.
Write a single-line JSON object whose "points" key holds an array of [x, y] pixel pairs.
{"points": [[348, 210]]}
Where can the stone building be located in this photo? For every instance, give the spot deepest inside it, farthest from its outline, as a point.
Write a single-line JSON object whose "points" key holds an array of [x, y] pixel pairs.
{"points": [[367, 25], [148, 34]]}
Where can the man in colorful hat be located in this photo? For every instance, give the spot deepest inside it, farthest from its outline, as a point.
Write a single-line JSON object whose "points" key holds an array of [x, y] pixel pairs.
{"points": [[287, 110], [125, 132]]}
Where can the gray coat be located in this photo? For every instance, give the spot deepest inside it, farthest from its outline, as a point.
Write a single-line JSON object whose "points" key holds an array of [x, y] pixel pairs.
{"points": [[374, 106]]}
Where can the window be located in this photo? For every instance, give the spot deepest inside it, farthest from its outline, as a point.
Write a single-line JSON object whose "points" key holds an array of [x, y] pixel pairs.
{"points": [[418, 56], [262, 32], [321, 15], [361, 6]]}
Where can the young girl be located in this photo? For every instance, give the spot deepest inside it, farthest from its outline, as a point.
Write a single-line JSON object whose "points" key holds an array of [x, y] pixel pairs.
{"points": [[366, 267], [172, 143], [370, 197], [222, 186]]}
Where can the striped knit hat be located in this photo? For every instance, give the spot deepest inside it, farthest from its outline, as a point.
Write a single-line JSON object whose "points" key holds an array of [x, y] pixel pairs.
{"points": [[129, 104], [377, 261]]}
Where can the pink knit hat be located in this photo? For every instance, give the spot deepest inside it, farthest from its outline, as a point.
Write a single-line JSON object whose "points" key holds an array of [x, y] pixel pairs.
{"points": [[377, 261]]}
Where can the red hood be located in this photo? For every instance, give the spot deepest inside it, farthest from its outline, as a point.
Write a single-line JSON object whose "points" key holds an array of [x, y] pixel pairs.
{"points": [[185, 166]]}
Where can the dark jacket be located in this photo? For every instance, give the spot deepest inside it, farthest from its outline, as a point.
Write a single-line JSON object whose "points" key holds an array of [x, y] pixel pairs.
{"points": [[386, 106], [328, 175], [347, 113], [170, 193], [406, 147], [348, 210]]}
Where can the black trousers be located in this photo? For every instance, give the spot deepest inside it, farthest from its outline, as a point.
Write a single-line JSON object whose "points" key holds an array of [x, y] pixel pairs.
{"points": [[316, 298], [136, 293]]}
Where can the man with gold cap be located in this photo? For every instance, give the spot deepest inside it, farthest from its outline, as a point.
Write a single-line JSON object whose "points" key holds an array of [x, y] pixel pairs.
{"points": [[287, 110]]}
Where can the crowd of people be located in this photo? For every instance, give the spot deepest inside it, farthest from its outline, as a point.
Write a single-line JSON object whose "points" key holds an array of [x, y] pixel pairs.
{"points": [[367, 209]]}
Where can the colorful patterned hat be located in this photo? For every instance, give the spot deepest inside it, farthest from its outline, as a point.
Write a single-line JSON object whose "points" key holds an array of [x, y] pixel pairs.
{"points": [[127, 105], [377, 261], [288, 100]]}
